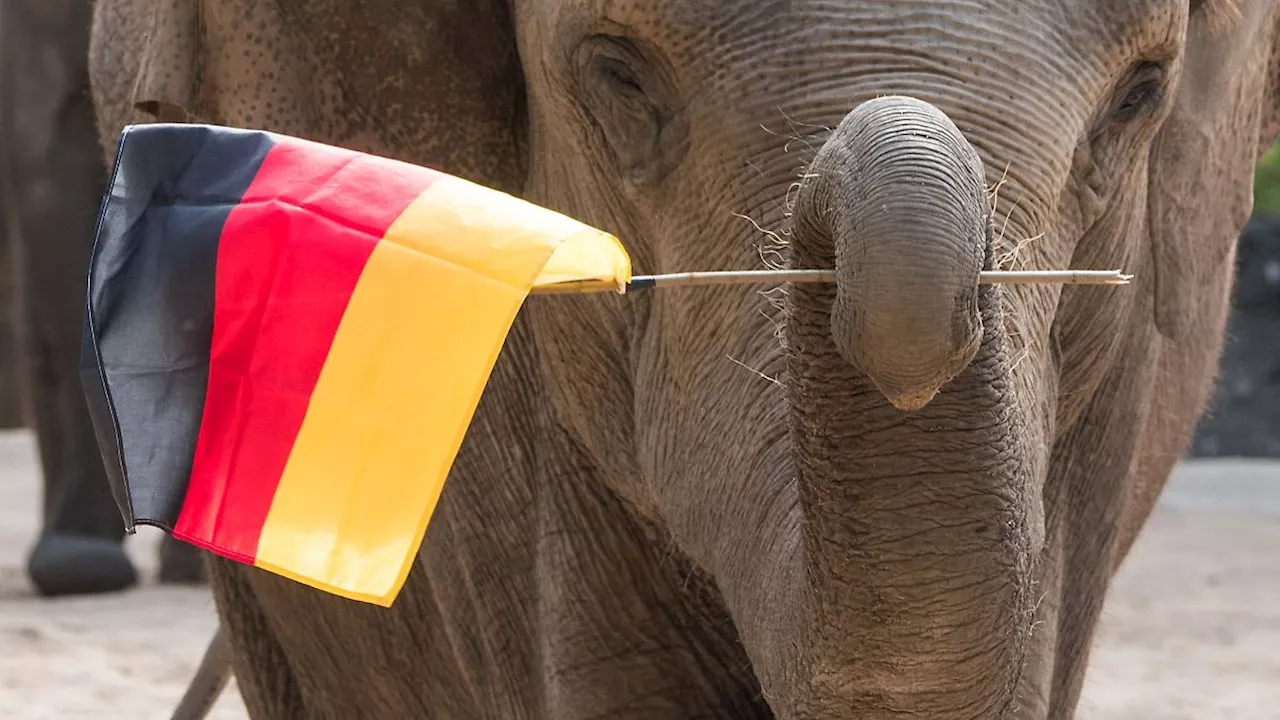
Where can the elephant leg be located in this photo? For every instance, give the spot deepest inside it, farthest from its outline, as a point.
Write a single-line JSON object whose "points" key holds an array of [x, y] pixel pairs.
{"points": [[52, 180], [263, 675], [12, 413], [658, 624]]}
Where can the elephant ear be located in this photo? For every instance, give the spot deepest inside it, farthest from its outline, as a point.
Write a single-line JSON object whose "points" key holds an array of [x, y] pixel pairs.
{"points": [[1201, 170], [433, 83], [168, 74]]}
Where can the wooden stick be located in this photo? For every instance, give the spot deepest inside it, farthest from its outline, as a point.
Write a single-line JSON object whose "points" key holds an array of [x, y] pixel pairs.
{"points": [[748, 277]]}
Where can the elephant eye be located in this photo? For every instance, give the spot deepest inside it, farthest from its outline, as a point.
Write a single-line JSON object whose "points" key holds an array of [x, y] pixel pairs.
{"points": [[1143, 89], [1138, 98], [619, 77], [630, 103]]}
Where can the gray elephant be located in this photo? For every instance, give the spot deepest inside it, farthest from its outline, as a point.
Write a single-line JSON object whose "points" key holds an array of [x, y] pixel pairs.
{"points": [[12, 409], [903, 494], [52, 177]]}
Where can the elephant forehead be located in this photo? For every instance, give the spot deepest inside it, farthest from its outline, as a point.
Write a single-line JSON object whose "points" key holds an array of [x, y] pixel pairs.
{"points": [[682, 17], [1041, 46], [1100, 22]]}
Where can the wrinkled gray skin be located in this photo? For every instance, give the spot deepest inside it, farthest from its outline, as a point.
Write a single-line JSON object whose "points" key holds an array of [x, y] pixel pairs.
{"points": [[51, 180], [901, 495]]}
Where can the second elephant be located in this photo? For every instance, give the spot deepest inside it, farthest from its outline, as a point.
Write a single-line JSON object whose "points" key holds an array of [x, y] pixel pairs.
{"points": [[52, 177]]}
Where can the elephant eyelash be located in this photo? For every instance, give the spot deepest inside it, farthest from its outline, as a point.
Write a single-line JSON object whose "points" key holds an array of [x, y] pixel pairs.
{"points": [[618, 75], [1139, 97], [1144, 89]]}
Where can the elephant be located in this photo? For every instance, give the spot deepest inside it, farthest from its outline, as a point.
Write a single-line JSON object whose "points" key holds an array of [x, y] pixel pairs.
{"points": [[52, 177], [901, 494], [12, 410]]}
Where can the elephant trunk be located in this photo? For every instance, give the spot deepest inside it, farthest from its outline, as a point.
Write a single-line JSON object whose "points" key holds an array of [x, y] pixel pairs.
{"points": [[921, 527], [899, 193]]}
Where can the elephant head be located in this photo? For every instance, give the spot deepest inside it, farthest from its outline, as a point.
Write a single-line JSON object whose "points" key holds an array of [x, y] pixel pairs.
{"points": [[907, 489]]}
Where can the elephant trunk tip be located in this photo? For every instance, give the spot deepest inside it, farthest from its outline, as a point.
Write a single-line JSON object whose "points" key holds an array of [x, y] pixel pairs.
{"points": [[900, 195]]}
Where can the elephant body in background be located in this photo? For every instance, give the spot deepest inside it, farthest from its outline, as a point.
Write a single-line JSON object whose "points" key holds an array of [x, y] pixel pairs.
{"points": [[12, 414], [52, 176], [900, 495], [12, 409]]}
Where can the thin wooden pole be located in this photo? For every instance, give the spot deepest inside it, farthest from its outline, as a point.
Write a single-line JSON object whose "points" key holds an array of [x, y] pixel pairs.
{"points": [[750, 277]]}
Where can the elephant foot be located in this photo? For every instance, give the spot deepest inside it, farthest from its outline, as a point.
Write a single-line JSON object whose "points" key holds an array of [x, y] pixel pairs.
{"points": [[181, 563], [62, 564]]}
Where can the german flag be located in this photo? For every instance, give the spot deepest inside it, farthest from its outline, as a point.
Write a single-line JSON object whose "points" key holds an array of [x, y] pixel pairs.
{"points": [[285, 341]]}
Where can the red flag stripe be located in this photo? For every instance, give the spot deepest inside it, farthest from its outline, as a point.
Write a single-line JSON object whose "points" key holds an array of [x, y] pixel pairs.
{"points": [[288, 259]]}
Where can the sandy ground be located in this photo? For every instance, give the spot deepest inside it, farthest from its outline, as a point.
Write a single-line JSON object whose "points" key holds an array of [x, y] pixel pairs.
{"points": [[1191, 629]]}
